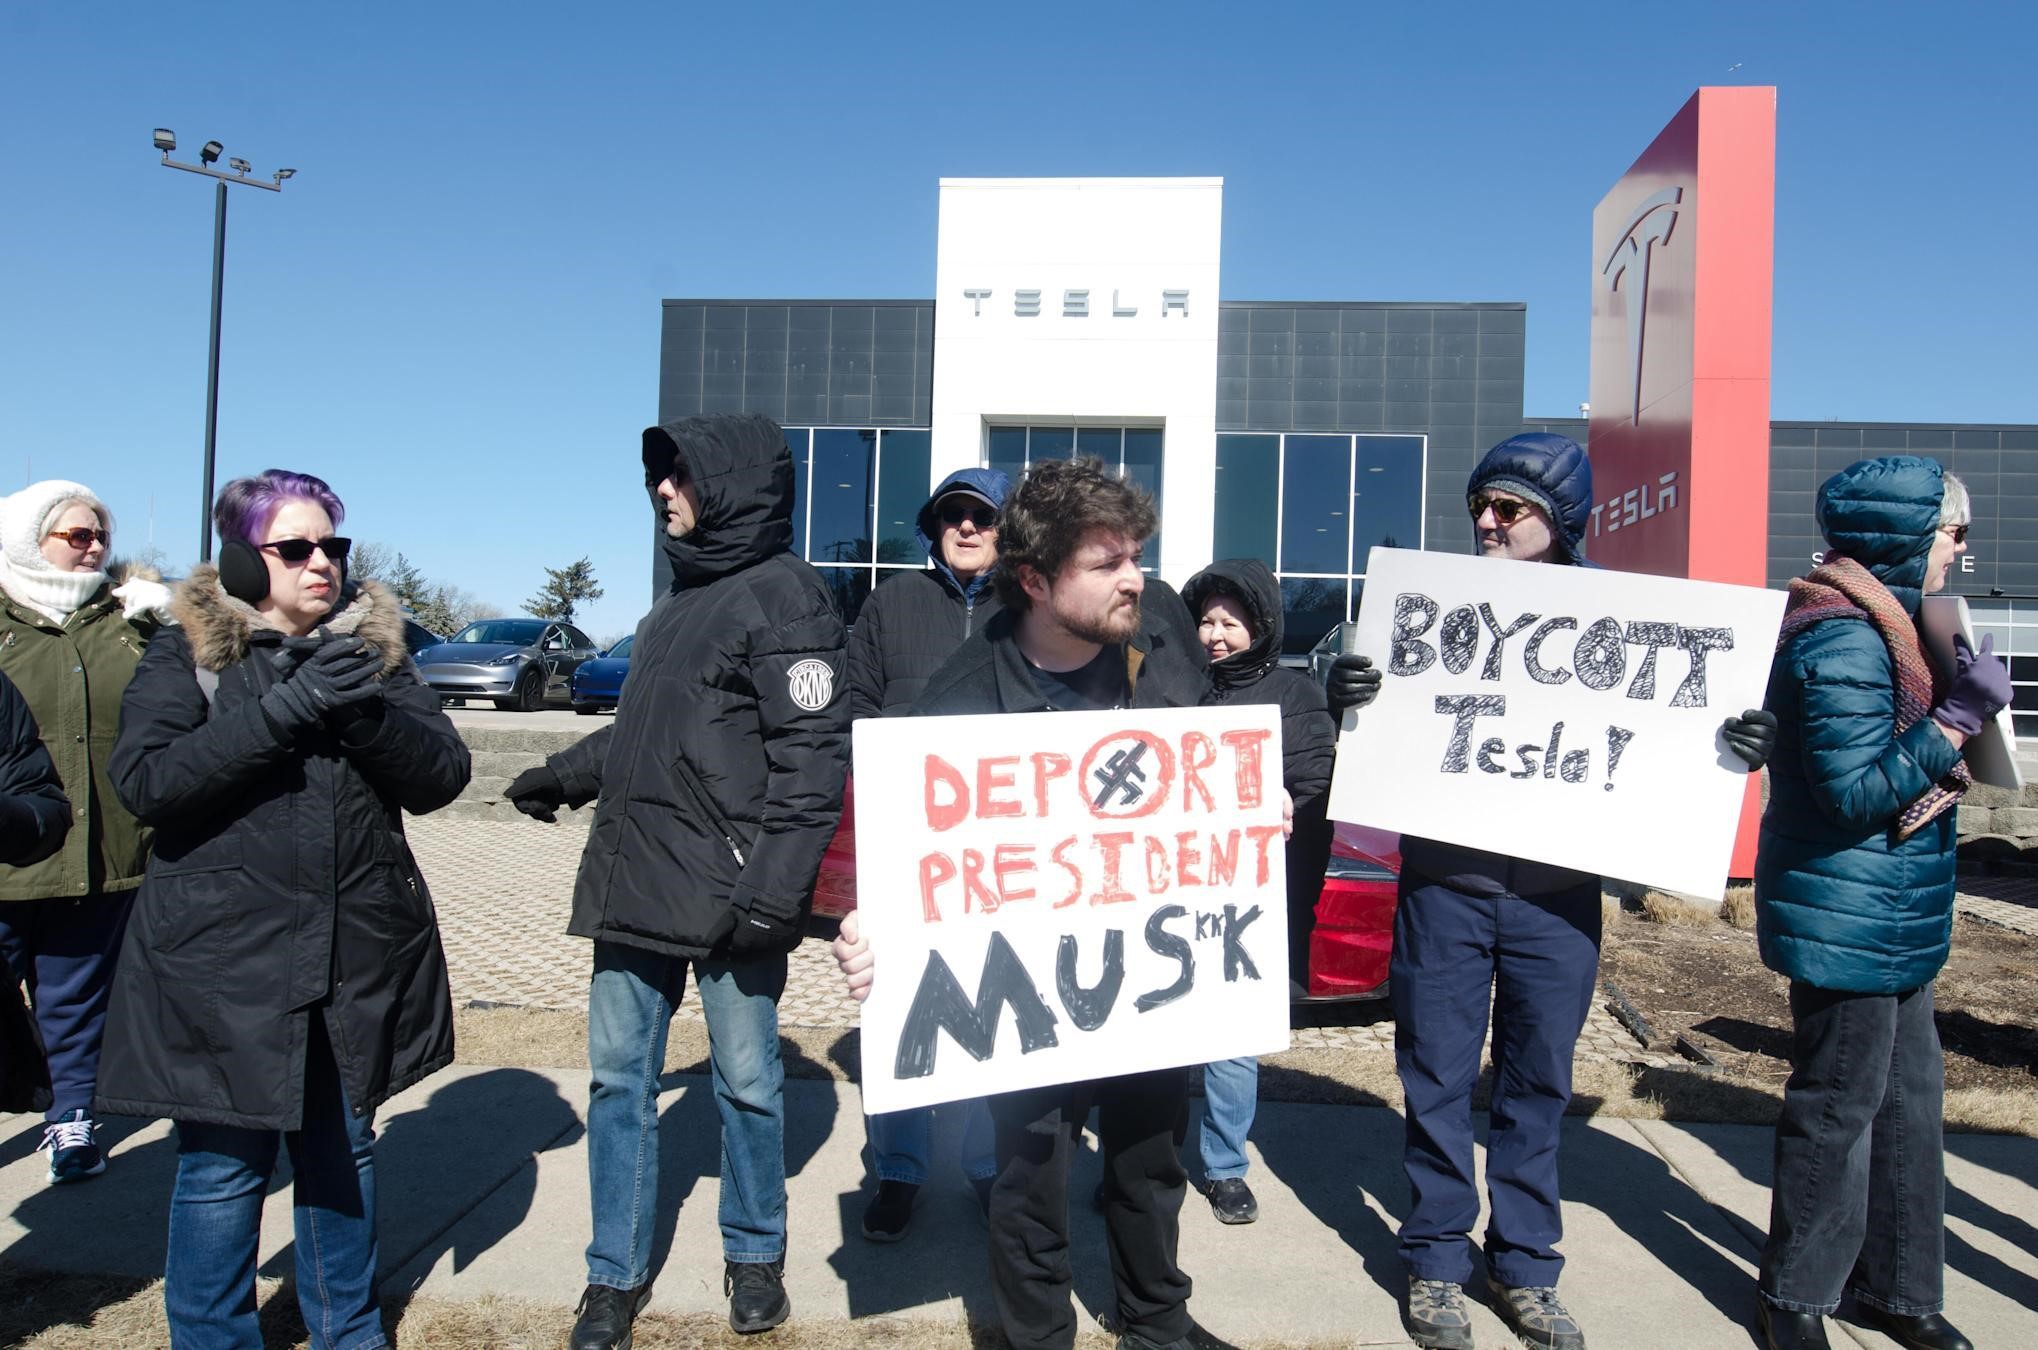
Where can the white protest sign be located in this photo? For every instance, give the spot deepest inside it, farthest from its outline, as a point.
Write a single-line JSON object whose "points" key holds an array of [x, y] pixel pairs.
{"points": [[1992, 755], [1052, 897], [1567, 715]]}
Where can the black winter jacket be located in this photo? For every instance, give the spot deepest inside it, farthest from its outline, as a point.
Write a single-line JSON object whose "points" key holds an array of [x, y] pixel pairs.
{"points": [[720, 781], [987, 674], [281, 886], [34, 814]]}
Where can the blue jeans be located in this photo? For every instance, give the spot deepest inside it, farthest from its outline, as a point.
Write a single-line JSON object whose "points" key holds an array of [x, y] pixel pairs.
{"points": [[629, 1011], [1859, 1195], [223, 1172], [903, 1141], [64, 951], [1536, 957], [1231, 1094]]}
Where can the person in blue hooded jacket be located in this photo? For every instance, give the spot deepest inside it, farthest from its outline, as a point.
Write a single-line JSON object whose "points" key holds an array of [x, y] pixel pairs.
{"points": [[1854, 903], [908, 628], [1470, 926]]}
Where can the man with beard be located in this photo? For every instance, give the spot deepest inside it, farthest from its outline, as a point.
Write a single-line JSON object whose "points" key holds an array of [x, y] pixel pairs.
{"points": [[719, 787], [1071, 637]]}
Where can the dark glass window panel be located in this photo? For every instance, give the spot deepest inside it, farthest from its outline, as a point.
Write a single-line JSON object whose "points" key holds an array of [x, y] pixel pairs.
{"points": [[1051, 443], [1102, 442], [1248, 478], [796, 441], [838, 521], [903, 458], [850, 586], [1309, 606], [1007, 450], [1386, 495], [1143, 446], [1316, 488]]}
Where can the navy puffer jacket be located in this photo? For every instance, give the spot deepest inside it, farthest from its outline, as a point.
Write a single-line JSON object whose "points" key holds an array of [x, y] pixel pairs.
{"points": [[1840, 902]]}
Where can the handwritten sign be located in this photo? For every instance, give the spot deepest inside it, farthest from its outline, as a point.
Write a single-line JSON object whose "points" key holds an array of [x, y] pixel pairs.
{"points": [[1567, 715], [1052, 897]]}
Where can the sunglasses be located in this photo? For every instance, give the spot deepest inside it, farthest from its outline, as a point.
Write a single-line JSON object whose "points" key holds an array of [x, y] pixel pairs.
{"points": [[953, 513], [1506, 510], [1959, 533], [295, 551], [82, 537]]}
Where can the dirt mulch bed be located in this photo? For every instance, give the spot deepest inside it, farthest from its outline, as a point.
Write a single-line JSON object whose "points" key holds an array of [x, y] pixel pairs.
{"points": [[1701, 978]]}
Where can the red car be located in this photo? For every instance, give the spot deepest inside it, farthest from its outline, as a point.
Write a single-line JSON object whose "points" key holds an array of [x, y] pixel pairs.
{"points": [[1354, 915]]}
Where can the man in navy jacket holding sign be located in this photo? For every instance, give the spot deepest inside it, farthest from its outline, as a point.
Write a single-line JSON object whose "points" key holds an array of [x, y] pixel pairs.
{"points": [[1472, 926]]}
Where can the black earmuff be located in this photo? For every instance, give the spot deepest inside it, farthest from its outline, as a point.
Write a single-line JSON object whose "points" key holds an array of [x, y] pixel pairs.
{"points": [[242, 573]]}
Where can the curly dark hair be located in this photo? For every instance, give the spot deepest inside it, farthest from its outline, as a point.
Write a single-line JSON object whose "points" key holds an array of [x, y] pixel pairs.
{"points": [[1052, 508]]}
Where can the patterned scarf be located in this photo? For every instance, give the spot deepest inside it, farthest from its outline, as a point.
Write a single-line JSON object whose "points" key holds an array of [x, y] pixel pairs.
{"points": [[1842, 588]]}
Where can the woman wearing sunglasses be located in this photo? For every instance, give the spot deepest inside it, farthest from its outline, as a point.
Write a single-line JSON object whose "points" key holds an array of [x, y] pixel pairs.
{"points": [[282, 974], [70, 640]]}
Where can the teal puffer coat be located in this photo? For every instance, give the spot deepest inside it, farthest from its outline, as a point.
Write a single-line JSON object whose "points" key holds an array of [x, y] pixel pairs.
{"points": [[1840, 902]]}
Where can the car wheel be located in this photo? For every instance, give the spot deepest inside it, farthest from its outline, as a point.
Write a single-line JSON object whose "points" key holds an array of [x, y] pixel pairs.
{"points": [[529, 695], [587, 709]]}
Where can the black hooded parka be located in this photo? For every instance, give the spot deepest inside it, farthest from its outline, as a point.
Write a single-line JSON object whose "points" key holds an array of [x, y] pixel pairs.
{"points": [[720, 781], [281, 887]]}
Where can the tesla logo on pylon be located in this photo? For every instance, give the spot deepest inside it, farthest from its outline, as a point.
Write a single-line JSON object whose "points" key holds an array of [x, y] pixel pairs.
{"points": [[1626, 270]]}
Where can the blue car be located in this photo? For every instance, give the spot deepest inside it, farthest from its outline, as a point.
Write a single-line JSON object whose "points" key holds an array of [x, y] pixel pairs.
{"points": [[598, 684]]}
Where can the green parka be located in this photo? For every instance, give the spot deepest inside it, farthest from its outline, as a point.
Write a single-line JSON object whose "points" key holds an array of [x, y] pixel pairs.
{"points": [[73, 676]]}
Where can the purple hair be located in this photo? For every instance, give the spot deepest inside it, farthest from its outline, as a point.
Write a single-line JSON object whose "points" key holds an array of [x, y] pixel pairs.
{"points": [[247, 505]]}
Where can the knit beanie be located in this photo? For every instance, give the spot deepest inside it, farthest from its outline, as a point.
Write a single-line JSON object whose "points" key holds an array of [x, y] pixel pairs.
{"points": [[28, 576]]}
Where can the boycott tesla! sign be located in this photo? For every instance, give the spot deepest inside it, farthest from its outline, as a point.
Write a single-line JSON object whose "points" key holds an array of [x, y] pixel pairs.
{"points": [[1564, 714], [1051, 897]]}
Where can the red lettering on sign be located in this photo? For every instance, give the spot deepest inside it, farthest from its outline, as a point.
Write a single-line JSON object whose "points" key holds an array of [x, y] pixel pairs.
{"points": [[1007, 862], [1075, 873], [951, 813], [1157, 878], [1113, 889], [1246, 746], [1262, 835], [935, 868], [1047, 766], [974, 890], [1223, 858], [1199, 752], [1159, 778], [1187, 858], [990, 781]]}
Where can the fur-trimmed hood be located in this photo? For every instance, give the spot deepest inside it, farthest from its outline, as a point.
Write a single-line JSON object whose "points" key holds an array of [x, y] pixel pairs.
{"points": [[221, 628]]}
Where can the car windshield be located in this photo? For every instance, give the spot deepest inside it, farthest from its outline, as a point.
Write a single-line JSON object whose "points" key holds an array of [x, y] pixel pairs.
{"points": [[622, 649], [515, 632]]}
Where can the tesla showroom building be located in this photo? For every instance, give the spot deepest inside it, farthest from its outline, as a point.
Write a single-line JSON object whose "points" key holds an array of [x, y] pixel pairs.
{"points": [[1084, 316]]}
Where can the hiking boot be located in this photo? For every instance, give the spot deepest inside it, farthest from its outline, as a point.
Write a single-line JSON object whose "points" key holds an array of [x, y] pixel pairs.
{"points": [[756, 1290], [1786, 1330], [1536, 1316], [891, 1209], [605, 1317], [1438, 1316], [74, 1153], [1926, 1331], [1231, 1200]]}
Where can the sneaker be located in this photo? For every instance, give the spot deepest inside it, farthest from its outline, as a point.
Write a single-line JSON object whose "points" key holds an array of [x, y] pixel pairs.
{"points": [[891, 1209], [1438, 1317], [1536, 1316], [74, 1153], [756, 1290], [605, 1317], [1231, 1200]]}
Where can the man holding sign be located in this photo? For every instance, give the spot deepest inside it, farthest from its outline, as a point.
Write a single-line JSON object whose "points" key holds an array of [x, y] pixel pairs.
{"points": [[1071, 639], [1473, 926]]}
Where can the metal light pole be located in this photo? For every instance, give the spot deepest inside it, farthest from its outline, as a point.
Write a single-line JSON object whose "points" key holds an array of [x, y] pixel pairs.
{"points": [[208, 155]]}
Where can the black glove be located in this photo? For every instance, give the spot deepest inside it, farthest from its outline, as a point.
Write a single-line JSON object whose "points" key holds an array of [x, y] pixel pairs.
{"points": [[537, 793], [342, 672], [1752, 736], [758, 932], [1352, 683]]}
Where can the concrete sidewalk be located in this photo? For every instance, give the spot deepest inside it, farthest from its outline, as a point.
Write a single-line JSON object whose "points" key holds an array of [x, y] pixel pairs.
{"points": [[482, 1175]]}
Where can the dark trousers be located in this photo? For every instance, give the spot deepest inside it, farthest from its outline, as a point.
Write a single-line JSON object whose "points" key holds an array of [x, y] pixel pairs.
{"points": [[1859, 1199], [64, 950], [1142, 1121], [1536, 958]]}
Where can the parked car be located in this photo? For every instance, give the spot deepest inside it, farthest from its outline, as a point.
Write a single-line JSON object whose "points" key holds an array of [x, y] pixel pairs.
{"points": [[598, 684], [1348, 951], [417, 637], [520, 664]]}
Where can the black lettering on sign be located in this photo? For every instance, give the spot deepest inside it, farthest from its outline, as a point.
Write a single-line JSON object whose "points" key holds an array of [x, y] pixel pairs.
{"points": [[1413, 614], [1164, 943], [1488, 748], [1491, 670], [1652, 635], [1601, 656], [1699, 641], [1575, 764], [1459, 638], [1550, 751], [1531, 760], [1537, 671], [940, 1005], [1088, 1008], [1465, 707], [1617, 739], [1235, 955]]}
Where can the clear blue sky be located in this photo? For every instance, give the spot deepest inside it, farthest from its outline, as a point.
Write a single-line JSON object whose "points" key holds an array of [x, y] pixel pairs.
{"points": [[452, 312]]}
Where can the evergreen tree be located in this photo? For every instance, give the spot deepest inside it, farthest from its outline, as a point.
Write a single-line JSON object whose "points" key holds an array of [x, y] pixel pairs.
{"points": [[564, 589]]}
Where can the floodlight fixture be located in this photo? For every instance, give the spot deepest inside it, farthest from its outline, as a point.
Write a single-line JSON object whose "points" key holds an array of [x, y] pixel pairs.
{"points": [[166, 139], [209, 152]]}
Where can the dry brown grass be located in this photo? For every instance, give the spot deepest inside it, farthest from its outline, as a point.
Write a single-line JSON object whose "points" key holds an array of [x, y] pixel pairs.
{"points": [[1665, 908], [1738, 908]]}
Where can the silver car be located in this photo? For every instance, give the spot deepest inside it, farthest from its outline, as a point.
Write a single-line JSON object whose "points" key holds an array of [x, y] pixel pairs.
{"points": [[520, 664]]}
